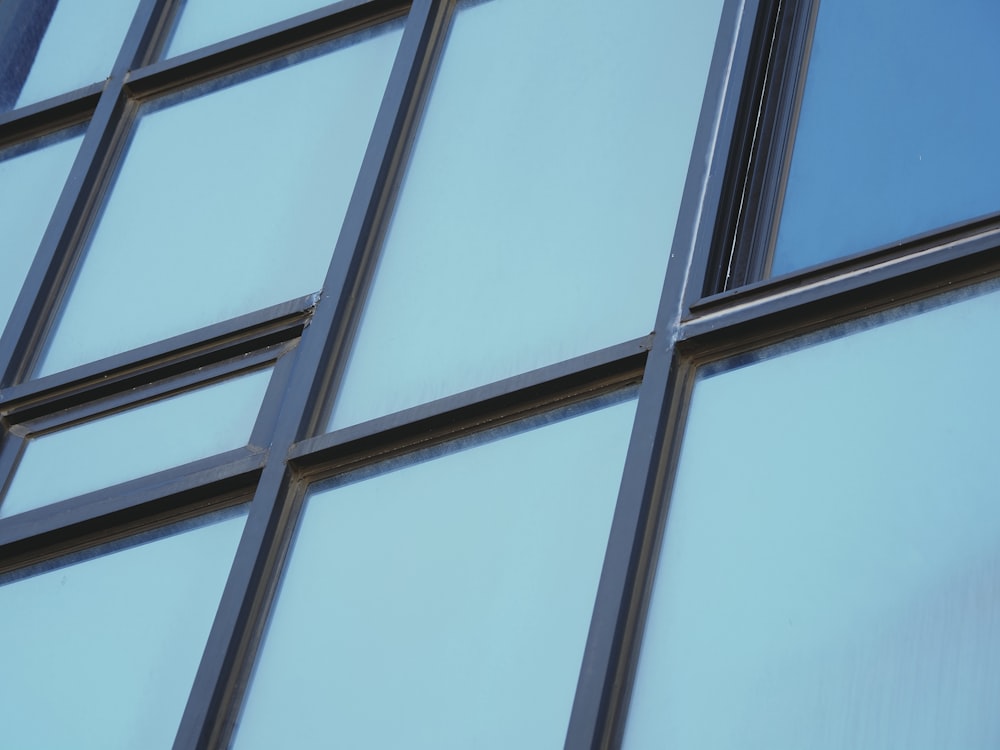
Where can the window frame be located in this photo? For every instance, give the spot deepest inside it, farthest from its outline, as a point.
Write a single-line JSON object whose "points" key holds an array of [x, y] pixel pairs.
{"points": [[715, 303]]}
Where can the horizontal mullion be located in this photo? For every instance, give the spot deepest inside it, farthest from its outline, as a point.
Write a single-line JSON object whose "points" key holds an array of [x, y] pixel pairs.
{"points": [[183, 490], [735, 83], [30, 421], [163, 359], [761, 170], [479, 408], [49, 115], [945, 236], [780, 308], [261, 44]]}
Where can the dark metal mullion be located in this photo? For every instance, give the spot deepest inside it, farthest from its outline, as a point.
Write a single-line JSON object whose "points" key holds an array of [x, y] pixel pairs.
{"points": [[274, 398], [937, 245], [254, 46], [599, 708], [766, 169], [163, 17], [732, 184], [11, 450], [204, 347], [53, 263], [206, 721], [137, 397], [478, 409], [782, 309], [50, 115], [184, 486]]}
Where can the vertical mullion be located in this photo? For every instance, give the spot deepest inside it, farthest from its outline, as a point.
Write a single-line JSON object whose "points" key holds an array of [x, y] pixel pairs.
{"points": [[59, 250], [733, 184], [601, 698], [756, 211], [209, 715]]}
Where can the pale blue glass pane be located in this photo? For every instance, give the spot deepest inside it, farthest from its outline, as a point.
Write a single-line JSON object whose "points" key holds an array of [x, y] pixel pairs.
{"points": [[79, 47], [444, 604], [100, 652], [536, 215], [230, 199], [203, 22], [897, 134], [830, 573], [130, 444], [30, 184]]}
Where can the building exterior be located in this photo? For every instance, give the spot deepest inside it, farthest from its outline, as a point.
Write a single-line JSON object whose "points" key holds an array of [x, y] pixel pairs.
{"points": [[498, 373]]}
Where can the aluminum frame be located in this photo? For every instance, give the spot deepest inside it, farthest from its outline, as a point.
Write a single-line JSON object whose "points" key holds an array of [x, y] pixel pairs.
{"points": [[714, 304]]}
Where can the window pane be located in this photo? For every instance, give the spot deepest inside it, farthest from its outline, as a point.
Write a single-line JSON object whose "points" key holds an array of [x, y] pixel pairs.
{"points": [[444, 604], [100, 649], [829, 573], [204, 22], [538, 208], [130, 444], [892, 141], [31, 179], [47, 49], [229, 199]]}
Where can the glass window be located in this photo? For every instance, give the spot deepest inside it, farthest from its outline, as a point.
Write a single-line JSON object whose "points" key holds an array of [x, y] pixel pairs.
{"points": [[536, 214], [100, 648], [229, 199], [130, 444], [31, 180], [444, 603], [829, 572], [203, 22], [896, 134], [49, 48]]}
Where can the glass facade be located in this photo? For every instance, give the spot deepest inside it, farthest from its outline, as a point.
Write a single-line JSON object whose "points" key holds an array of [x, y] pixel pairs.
{"points": [[843, 566], [466, 622], [32, 176], [125, 445], [535, 189], [472, 373], [101, 647], [54, 46]]}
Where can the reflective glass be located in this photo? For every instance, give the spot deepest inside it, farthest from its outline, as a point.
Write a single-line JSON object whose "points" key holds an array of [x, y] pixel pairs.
{"points": [[46, 51], [229, 199], [203, 22], [130, 444], [830, 572], [444, 604], [100, 649], [537, 212], [31, 179], [897, 133]]}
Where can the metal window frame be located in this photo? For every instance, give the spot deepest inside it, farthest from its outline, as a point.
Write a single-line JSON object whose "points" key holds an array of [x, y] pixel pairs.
{"points": [[713, 305]]}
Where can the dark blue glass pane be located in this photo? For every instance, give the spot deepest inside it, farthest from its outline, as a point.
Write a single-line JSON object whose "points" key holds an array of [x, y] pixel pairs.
{"points": [[897, 134]]}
